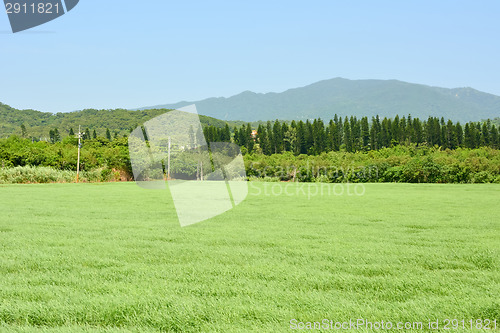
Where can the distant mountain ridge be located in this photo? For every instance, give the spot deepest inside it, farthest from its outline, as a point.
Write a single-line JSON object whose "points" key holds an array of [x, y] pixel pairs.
{"points": [[344, 97]]}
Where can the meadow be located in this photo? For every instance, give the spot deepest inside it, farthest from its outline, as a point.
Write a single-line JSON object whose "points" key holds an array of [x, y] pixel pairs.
{"points": [[112, 257]]}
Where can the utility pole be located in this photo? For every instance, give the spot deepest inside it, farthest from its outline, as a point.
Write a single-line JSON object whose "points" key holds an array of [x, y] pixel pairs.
{"points": [[79, 147]]}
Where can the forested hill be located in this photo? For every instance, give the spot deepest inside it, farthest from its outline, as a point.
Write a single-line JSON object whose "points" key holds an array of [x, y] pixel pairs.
{"points": [[324, 99], [38, 124]]}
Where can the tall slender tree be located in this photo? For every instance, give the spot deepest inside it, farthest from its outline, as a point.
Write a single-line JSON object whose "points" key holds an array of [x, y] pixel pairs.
{"points": [[347, 136], [365, 132]]}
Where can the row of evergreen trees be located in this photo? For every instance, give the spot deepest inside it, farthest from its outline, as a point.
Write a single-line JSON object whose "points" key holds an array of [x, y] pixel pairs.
{"points": [[87, 134], [352, 134]]}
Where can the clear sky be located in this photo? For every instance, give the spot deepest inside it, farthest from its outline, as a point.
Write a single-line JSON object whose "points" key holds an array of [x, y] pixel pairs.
{"points": [[111, 53]]}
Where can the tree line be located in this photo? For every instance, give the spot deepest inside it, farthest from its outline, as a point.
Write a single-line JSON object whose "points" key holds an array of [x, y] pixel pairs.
{"points": [[87, 134], [470, 154], [312, 137], [352, 135]]}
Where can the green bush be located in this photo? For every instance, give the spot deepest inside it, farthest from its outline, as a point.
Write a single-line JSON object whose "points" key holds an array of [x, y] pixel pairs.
{"points": [[398, 164], [40, 175], [483, 177]]}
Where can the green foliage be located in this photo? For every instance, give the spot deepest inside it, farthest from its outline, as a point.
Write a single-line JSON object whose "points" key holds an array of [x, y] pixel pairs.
{"points": [[39, 175], [410, 164], [54, 135], [96, 154], [354, 162], [38, 124]]}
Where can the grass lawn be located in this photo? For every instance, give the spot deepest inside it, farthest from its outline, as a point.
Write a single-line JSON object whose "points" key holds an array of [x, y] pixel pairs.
{"points": [[112, 257]]}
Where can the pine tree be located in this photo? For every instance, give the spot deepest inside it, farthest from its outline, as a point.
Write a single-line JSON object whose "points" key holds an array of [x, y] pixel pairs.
{"points": [[319, 135], [329, 135], [459, 134], [295, 146], [385, 133], [308, 137], [94, 135], [494, 139], [402, 130], [365, 132], [54, 135], [340, 128], [389, 132], [71, 132], [417, 131], [485, 135], [24, 133], [236, 137], [477, 135], [207, 134], [301, 145], [286, 138], [355, 133], [250, 143], [442, 138], [270, 138], [291, 139], [429, 131], [468, 137], [337, 134], [242, 136], [395, 131], [265, 144], [373, 136], [108, 134], [451, 141], [227, 134], [434, 133], [347, 136], [277, 137], [409, 129]]}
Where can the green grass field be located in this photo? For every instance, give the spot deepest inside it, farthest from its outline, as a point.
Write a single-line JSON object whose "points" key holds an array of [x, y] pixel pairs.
{"points": [[112, 257]]}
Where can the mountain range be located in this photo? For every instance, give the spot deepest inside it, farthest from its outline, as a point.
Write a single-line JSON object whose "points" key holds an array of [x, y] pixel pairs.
{"points": [[324, 99]]}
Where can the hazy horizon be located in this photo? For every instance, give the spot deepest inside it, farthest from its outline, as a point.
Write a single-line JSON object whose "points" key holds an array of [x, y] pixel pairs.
{"points": [[103, 56], [229, 96]]}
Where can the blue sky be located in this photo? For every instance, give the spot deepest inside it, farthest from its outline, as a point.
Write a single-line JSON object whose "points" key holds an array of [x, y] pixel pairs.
{"points": [[110, 54]]}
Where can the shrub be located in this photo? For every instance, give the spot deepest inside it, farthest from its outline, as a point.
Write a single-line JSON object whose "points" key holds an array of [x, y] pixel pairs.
{"points": [[483, 177]]}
